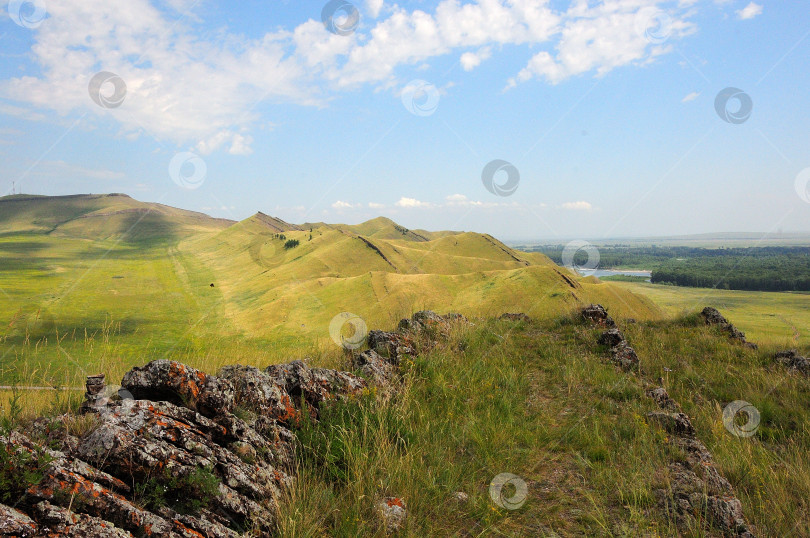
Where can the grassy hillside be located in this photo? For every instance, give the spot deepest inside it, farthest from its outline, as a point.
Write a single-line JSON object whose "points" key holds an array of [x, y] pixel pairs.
{"points": [[542, 401], [103, 282]]}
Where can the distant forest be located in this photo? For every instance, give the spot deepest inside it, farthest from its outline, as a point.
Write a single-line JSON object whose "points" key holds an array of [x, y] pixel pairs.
{"points": [[739, 268]]}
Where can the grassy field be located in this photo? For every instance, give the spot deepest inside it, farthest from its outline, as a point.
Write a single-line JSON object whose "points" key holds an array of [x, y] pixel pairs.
{"points": [[550, 408], [781, 319]]}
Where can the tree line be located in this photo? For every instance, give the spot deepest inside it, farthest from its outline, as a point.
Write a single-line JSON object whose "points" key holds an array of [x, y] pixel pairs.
{"points": [[735, 268]]}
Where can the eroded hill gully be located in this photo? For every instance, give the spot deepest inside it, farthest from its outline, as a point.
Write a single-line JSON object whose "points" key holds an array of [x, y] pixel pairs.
{"points": [[228, 442]]}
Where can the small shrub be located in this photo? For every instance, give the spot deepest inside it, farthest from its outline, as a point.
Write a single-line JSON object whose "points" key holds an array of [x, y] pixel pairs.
{"points": [[185, 494], [19, 470]]}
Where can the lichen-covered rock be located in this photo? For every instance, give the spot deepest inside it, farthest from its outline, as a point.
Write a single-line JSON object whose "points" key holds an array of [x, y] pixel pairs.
{"points": [[395, 346], [611, 337], [662, 398], [432, 323], [696, 486], [597, 313], [792, 360], [375, 367], [313, 386], [713, 316], [625, 356], [15, 523], [393, 512], [258, 392], [59, 521], [152, 439], [673, 423], [67, 481], [171, 381], [690, 496]]}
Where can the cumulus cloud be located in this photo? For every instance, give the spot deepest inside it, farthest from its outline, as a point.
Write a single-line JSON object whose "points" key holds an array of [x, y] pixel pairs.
{"points": [[750, 11], [340, 204], [178, 87], [375, 205], [412, 202], [577, 206], [690, 97], [203, 93], [461, 200], [471, 60]]}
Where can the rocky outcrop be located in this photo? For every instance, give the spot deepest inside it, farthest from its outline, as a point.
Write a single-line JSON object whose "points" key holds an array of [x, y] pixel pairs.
{"points": [[793, 361], [431, 323], [712, 316], [209, 455], [396, 346], [697, 491], [621, 352], [379, 370], [598, 314], [181, 453], [696, 487]]}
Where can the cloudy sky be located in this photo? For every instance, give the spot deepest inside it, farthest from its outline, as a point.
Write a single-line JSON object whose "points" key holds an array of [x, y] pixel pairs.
{"points": [[526, 119]]}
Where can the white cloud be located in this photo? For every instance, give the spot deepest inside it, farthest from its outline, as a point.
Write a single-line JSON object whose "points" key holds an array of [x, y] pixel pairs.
{"points": [[471, 60], [240, 145], [461, 200], [375, 205], [203, 93], [178, 87], [412, 202], [602, 38], [343, 205], [577, 206], [750, 11], [691, 97], [374, 7]]}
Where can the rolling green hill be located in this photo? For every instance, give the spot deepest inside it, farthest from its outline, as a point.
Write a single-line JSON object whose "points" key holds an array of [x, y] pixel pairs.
{"points": [[92, 282]]}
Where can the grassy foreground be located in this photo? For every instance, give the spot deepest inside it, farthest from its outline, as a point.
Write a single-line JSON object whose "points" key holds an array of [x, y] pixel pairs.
{"points": [[540, 400]]}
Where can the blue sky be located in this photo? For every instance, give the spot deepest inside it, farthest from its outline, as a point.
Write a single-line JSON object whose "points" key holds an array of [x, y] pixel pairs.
{"points": [[606, 110]]}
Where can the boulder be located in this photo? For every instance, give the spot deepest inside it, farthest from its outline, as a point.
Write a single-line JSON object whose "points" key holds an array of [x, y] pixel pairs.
{"points": [[312, 386], [394, 346], [171, 381], [673, 423], [625, 356], [611, 337], [792, 360], [597, 313], [662, 398], [712, 316], [258, 392], [375, 367], [393, 513]]}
